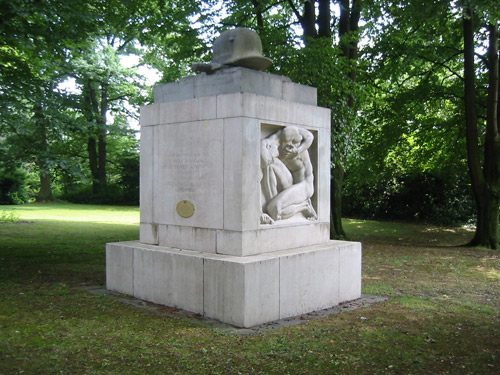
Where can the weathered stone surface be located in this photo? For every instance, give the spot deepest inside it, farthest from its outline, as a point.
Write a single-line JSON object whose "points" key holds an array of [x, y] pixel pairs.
{"points": [[189, 165], [235, 80], [206, 244], [120, 268], [244, 291]]}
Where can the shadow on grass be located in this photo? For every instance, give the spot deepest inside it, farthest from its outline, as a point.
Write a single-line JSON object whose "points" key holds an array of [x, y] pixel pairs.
{"points": [[413, 234]]}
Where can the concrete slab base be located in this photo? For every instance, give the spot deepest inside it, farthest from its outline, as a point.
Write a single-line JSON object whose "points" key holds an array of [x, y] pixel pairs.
{"points": [[241, 291]]}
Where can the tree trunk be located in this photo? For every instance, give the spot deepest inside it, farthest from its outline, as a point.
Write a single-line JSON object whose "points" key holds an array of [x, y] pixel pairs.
{"points": [[308, 21], [93, 163], [257, 8], [487, 227], [324, 19], [102, 136], [336, 228], [486, 234], [45, 193], [485, 181], [95, 110]]}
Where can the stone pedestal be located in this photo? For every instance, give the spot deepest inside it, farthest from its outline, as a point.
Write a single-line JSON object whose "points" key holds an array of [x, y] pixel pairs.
{"points": [[203, 245]]}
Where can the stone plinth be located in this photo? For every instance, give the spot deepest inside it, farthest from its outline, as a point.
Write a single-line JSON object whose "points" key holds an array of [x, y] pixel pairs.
{"points": [[235, 189], [206, 150], [243, 291]]}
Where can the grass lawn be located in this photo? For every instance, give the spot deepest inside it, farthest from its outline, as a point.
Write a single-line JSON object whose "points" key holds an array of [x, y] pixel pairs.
{"points": [[443, 315]]}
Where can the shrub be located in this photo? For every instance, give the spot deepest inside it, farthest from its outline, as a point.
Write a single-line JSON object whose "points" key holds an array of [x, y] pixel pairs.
{"points": [[13, 189], [422, 196], [8, 217], [113, 194]]}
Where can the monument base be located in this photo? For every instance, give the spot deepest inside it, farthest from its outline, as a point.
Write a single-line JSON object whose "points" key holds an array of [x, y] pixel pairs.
{"points": [[242, 291]]}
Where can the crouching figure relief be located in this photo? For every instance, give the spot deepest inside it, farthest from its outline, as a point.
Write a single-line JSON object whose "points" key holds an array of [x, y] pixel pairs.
{"points": [[287, 179]]}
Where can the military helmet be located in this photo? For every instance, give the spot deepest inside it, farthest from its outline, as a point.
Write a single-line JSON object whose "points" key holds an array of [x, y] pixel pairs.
{"points": [[240, 47]]}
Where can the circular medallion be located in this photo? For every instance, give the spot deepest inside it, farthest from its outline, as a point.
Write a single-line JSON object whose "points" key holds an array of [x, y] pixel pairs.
{"points": [[185, 209]]}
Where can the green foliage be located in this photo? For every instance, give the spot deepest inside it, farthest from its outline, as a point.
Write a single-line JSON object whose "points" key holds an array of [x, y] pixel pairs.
{"points": [[8, 217], [421, 196], [13, 189], [112, 194]]}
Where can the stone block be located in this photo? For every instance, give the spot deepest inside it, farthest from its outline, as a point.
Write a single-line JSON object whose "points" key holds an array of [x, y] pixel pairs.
{"points": [[272, 110], [148, 233], [309, 280], [350, 271], [230, 105], [261, 83], [243, 292], [146, 174], [189, 238], [150, 115], [169, 277], [175, 91], [188, 110], [311, 116], [294, 92], [120, 268], [271, 238], [241, 167], [323, 176], [237, 80], [189, 165]]}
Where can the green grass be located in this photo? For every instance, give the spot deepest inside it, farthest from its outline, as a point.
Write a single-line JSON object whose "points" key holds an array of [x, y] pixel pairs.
{"points": [[443, 316]]}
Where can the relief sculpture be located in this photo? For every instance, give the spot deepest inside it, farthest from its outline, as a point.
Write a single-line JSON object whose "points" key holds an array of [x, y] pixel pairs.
{"points": [[287, 179]]}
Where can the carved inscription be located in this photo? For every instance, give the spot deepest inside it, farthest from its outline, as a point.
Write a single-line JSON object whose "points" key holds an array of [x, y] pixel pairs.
{"points": [[186, 171]]}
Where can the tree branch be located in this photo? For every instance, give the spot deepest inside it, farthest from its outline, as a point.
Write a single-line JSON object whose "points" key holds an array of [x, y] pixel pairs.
{"points": [[443, 64], [295, 10]]}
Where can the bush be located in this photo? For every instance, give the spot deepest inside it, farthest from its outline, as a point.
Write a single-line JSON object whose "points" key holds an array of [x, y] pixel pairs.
{"points": [[13, 189], [113, 194], [9, 217], [411, 197]]}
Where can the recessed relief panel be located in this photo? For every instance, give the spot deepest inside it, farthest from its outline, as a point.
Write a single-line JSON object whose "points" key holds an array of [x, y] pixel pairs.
{"points": [[288, 160]]}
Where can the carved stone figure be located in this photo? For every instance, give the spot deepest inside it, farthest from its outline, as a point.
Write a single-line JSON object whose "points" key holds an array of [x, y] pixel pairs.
{"points": [[236, 47], [287, 180]]}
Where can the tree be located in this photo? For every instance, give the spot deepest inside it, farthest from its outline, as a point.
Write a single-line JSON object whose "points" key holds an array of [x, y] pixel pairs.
{"points": [[34, 46], [412, 125], [486, 179], [105, 86], [45, 42]]}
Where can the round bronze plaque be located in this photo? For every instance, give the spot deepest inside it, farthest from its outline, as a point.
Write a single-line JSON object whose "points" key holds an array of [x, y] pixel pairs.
{"points": [[185, 209]]}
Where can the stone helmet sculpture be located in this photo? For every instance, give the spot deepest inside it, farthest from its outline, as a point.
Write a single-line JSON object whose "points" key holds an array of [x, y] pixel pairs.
{"points": [[236, 47]]}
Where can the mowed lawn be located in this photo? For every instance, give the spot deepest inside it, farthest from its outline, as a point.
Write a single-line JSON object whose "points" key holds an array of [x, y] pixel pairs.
{"points": [[442, 317]]}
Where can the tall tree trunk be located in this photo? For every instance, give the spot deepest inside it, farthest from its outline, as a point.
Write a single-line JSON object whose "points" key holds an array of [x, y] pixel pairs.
{"points": [[336, 228], [93, 163], [102, 136], [485, 181], [324, 19], [308, 21], [45, 193], [488, 233], [257, 8], [95, 110], [91, 109]]}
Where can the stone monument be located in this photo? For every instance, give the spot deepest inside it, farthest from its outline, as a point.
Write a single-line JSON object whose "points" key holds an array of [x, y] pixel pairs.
{"points": [[235, 190]]}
